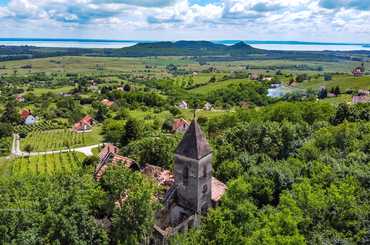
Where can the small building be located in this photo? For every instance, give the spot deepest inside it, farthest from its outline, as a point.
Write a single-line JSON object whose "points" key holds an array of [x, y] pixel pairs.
{"points": [[84, 125], [359, 71], [24, 114], [208, 106], [363, 92], [19, 98], [358, 99], [180, 125], [109, 157], [183, 105], [107, 102], [30, 120]]}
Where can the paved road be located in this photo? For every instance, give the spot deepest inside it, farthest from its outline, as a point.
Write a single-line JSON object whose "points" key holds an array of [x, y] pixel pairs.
{"points": [[16, 149]]}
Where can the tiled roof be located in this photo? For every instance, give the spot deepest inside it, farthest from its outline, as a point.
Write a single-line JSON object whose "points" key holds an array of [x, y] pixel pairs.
{"points": [[179, 123]]}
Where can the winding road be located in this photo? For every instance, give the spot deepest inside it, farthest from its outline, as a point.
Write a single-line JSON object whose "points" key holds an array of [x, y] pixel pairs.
{"points": [[16, 149]]}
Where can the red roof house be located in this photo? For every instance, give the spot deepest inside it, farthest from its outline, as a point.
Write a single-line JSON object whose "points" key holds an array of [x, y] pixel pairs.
{"points": [[25, 113], [359, 71], [180, 125], [107, 102], [360, 99], [109, 156], [84, 125]]}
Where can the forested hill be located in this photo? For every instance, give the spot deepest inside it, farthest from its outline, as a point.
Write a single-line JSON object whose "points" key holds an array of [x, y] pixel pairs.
{"points": [[190, 48], [202, 50]]}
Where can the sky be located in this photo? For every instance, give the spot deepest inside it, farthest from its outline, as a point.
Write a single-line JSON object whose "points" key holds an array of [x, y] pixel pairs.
{"points": [[278, 20]]}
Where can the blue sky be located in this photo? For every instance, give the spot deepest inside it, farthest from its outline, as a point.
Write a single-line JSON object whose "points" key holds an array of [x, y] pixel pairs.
{"points": [[302, 20]]}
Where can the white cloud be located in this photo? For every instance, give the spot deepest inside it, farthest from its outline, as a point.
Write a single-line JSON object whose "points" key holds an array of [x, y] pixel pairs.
{"points": [[159, 19]]}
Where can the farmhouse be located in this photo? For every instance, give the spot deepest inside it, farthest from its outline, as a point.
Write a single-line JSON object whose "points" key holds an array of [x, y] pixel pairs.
{"points": [[30, 120], [107, 102], [84, 125], [19, 98], [25, 113], [358, 99], [183, 105], [359, 71], [208, 106], [180, 125]]}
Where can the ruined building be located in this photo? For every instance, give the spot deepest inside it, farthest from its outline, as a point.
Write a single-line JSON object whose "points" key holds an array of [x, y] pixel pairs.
{"points": [[194, 190]]}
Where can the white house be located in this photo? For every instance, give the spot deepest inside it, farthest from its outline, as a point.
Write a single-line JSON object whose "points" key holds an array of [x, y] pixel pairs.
{"points": [[30, 120], [183, 105], [208, 106]]}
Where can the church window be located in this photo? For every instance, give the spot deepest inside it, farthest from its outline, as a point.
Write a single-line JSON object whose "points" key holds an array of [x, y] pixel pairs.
{"points": [[205, 188], [185, 176]]}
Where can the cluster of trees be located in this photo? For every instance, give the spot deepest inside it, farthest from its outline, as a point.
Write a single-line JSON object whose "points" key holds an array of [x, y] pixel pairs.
{"points": [[74, 209], [297, 173]]}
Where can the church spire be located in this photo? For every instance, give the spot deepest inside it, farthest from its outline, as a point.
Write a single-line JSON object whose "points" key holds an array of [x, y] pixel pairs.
{"points": [[194, 144]]}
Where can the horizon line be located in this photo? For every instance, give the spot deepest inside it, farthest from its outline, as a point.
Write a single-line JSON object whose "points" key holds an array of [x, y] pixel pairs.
{"points": [[291, 42]]}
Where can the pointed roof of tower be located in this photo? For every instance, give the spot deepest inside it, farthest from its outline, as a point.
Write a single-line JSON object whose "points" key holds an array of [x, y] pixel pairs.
{"points": [[194, 144]]}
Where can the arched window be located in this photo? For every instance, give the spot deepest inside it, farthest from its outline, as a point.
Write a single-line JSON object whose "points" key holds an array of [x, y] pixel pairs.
{"points": [[205, 171], [185, 176]]}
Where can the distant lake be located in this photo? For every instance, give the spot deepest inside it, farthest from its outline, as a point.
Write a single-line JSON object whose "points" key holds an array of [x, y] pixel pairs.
{"points": [[99, 43]]}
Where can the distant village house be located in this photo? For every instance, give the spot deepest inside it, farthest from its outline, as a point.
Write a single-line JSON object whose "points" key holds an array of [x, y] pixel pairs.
{"points": [[208, 107], [107, 102], [359, 71], [84, 125], [180, 125], [183, 105]]}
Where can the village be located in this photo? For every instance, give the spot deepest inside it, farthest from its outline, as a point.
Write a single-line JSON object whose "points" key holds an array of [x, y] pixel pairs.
{"points": [[182, 149]]}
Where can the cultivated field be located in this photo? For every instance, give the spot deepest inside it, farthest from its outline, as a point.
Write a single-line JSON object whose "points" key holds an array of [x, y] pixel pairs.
{"points": [[60, 139], [46, 164]]}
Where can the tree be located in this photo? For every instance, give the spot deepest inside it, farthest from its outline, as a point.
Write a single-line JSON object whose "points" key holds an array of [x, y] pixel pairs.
{"points": [[156, 150], [28, 148], [133, 215], [10, 114], [212, 79], [133, 130]]}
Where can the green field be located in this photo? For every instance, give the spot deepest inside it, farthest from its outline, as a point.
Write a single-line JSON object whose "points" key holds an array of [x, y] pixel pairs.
{"points": [[343, 81], [46, 164], [60, 139], [218, 85]]}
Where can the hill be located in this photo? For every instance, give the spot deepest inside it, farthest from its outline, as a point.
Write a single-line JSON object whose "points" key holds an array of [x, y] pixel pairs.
{"points": [[203, 50]]}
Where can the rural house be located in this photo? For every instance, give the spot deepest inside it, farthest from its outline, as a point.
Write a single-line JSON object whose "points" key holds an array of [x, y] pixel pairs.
{"points": [[84, 125], [25, 113], [358, 99], [107, 102], [208, 106], [359, 71], [180, 125], [30, 120], [19, 98], [183, 105]]}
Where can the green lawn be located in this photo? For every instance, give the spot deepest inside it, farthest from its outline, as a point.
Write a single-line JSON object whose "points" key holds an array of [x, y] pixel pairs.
{"points": [[61, 139], [218, 85], [46, 164], [343, 81]]}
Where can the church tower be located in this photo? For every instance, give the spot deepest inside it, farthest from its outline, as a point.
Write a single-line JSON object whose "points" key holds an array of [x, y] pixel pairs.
{"points": [[193, 170]]}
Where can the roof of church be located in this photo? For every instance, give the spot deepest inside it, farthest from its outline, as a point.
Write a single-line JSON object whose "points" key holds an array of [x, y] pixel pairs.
{"points": [[194, 144]]}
